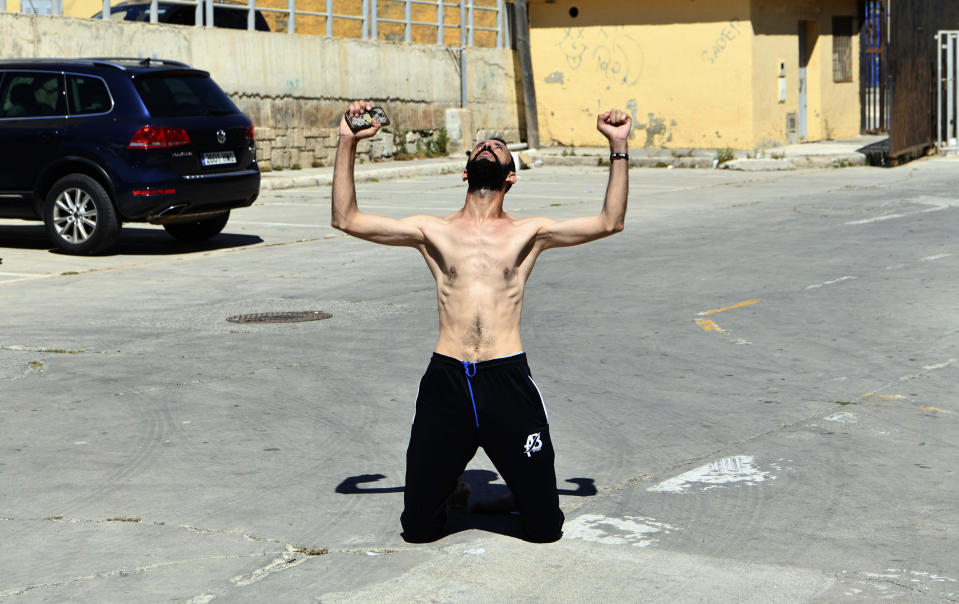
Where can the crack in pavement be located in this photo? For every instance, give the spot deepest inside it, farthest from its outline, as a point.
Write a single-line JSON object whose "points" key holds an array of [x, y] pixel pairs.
{"points": [[123, 572], [289, 557], [292, 556], [617, 488], [138, 520]]}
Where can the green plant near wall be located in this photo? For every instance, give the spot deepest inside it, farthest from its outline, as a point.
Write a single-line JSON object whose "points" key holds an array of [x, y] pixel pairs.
{"points": [[724, 155], [437, 146], [434, 147]]}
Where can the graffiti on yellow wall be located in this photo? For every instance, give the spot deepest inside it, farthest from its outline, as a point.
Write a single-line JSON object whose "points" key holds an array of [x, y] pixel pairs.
{"points": [[610, 50], [729, 33]]}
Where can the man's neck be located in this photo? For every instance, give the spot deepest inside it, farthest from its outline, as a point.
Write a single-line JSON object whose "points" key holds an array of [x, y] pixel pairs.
{"points": [[483, 204]]}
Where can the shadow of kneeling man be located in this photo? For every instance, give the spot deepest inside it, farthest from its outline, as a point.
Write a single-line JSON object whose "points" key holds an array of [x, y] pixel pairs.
{"points": [[494, 509]]}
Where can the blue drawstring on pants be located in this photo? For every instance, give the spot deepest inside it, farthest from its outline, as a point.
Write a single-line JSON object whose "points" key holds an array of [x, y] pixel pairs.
{"points": [[470, 368]]}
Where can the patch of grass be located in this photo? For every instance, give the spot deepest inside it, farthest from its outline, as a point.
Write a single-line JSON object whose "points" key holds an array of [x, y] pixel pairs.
{"points": [[437, 146], [61, 351], [36, 366], [309, 551], [844, 403], [724, 155], [296, 167], [123, 519], [69, 273]]}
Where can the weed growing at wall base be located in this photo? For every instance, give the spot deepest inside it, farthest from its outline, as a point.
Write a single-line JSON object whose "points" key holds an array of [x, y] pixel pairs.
{"points": [[724, 155]]}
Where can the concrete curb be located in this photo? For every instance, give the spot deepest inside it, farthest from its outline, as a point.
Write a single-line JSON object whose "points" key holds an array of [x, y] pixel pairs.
{"points": [[839, 160], [532, 159], [274, 181]]}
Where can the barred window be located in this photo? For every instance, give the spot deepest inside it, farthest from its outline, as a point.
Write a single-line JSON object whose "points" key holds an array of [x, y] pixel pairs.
{"points": [[842, 49]]}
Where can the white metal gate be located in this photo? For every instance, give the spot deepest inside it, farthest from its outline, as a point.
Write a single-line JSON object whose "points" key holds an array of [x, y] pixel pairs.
{"points": [[947, 91]]}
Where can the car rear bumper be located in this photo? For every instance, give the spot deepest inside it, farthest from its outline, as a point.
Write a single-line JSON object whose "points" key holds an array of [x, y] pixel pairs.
{"points": [[192, 194]]}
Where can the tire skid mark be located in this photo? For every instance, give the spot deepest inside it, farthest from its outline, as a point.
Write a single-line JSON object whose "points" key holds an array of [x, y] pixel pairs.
{"points": [[158, 426]]}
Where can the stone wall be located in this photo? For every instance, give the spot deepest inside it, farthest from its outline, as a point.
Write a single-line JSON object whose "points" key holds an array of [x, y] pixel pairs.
{"points": [[296, 87]]}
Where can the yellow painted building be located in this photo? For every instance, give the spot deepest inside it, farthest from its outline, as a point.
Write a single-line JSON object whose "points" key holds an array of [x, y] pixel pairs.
{"points": [[697, 73]]}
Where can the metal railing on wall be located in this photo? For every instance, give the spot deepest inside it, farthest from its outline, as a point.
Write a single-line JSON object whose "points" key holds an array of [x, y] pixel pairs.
{"points": [[462, 23]]}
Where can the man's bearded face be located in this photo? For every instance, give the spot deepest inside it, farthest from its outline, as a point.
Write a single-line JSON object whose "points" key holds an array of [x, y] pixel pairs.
{"points": [[485, 172]]}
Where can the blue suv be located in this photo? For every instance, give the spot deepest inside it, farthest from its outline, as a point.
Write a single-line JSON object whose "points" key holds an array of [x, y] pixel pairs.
{"points": [[87, 144]]}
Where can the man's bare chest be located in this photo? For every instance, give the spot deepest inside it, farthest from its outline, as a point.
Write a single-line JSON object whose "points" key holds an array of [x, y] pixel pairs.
{"points": [[482, 256]]}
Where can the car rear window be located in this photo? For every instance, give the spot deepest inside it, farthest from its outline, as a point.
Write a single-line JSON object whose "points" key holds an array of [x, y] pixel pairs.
{"points": [[87, 95], [182, 95]]}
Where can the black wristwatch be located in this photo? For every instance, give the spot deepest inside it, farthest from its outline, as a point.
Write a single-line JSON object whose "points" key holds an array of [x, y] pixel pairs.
{"points": [[613, 156]]}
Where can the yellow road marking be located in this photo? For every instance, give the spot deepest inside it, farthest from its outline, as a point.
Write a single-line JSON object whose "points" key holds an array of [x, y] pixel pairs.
{"points": [[934, 409], [709, 325], [740, 305]]}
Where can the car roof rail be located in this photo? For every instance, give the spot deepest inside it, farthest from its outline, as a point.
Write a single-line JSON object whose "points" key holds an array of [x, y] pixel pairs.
{"points": [[142, 61]]}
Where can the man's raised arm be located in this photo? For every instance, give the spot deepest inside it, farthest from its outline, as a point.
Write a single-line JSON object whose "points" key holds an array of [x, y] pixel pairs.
{"points": [[615, 125], [346, 215]]}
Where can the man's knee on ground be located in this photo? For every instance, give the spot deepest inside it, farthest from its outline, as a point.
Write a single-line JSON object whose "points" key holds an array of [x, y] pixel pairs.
{"points": [[421, 528], [539, 529]]}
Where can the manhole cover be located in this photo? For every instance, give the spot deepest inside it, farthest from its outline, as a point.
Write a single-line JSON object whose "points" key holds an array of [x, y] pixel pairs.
{"points": [[281, 317]]}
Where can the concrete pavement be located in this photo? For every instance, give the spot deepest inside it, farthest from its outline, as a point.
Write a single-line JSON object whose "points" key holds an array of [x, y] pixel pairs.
{"points": [[751, 391]]}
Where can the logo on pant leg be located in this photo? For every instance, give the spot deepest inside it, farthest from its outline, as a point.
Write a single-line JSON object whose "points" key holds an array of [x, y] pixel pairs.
{"points": [[533, 444]]}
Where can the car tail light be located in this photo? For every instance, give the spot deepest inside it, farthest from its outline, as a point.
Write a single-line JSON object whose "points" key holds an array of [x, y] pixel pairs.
{"points": [[159, 137], [153, 192], [249, 133]]}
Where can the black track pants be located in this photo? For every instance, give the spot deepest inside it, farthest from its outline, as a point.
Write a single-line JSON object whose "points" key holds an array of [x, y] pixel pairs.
{"points": [[491, 404]]}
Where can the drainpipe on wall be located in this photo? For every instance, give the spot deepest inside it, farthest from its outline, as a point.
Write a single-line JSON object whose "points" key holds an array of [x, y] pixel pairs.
{"points": [[526, 65], [463, 97]]}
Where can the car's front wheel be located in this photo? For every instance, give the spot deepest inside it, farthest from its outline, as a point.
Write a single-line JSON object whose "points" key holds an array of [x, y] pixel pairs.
{"points": [[194, 231], [79, 215]]}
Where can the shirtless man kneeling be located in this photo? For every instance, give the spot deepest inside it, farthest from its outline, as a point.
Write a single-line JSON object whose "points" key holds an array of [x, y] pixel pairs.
{"points": [[477, 390]]}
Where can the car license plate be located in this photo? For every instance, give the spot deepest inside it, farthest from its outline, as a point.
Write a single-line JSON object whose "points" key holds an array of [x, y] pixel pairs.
{"points": [[218, 158]]}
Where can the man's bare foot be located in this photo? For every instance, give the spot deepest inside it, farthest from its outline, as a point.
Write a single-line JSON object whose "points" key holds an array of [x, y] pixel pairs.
{"points": [[503, 505]]}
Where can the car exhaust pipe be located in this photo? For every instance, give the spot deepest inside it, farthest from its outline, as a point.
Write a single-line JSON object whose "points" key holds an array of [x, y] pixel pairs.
{"points": [[170, 211]]}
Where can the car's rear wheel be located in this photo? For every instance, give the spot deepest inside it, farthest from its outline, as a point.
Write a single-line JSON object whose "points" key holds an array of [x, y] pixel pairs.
{"points": [[194, 231], [79, 215]]}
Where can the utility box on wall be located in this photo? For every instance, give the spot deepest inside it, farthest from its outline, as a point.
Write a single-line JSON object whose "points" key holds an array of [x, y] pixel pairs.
{"points": [[792, 128]]}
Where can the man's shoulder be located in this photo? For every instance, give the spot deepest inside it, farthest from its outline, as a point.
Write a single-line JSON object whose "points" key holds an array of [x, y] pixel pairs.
{"points": [[427, 220], [533, 221]]}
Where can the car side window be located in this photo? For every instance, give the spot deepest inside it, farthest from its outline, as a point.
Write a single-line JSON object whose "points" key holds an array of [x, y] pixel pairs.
{"points": [[31, 95], [87, 95]]}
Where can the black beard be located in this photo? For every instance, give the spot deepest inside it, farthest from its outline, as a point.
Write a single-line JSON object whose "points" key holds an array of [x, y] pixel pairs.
{"points": [[488, 174]]}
